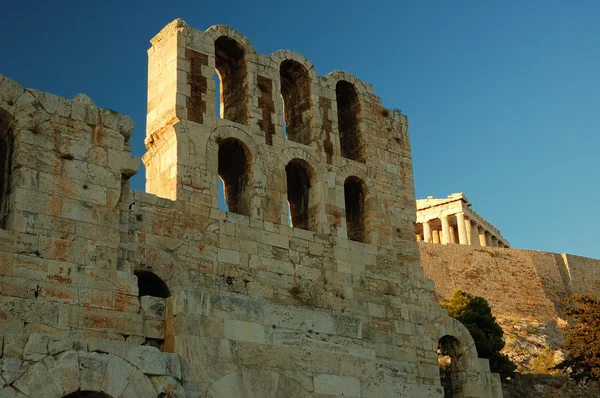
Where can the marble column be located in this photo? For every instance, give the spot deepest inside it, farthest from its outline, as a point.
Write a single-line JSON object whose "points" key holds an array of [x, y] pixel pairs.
{"points": [[488, 239], [475, 234], [453, 234], [445, 230], [462, 231], [419, 238], [494, 241], [426, 232], [482, 241], [436, 236], [468, 231]]}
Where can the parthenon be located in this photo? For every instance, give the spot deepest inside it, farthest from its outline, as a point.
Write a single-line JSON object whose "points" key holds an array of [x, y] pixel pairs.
{"points": [[452, 220]]}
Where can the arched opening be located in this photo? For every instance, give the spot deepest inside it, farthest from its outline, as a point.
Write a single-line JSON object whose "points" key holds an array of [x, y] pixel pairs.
{"points": [[449, 355], [348, 106], [295, 91], [230, 64], [354, 197], [6, 154], [218, 99], [87, 394], [234, 171], [298, 190], [149, 284]]}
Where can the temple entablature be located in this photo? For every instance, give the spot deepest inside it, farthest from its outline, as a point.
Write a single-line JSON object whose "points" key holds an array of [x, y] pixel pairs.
{"points": [[452, 220]]}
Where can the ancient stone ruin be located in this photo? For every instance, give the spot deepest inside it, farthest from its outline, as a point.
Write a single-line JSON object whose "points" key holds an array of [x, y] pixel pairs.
{"points": [[309, 286]]}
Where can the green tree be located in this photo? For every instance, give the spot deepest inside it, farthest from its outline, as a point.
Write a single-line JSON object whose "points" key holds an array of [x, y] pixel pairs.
{"points": [[475, 313], [582, 339]]}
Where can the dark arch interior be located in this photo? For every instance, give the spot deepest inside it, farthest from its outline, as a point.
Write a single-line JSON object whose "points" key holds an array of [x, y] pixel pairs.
{"points": [[230, 62], [298, 186], [354, 196], [87, 394], [448, 351], [233, 170], [149, 284], [295, 91], [6, 154], [348, 121]]}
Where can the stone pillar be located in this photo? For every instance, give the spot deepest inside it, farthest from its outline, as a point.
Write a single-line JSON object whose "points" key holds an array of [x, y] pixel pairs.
{"points": [[494, 241], [436, 236], [445, 229], [462, 231], [482, 241], [453, 234], [474, 234], [469, 232], [426, 232], [488, 239], [419, 237]]}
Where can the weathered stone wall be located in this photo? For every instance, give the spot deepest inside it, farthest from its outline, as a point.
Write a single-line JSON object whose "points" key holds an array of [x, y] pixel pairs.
{"points": [[255, 306], [517, 283]]}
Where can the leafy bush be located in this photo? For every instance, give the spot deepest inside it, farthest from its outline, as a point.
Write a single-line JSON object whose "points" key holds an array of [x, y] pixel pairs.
{"points": [[475, 313]]}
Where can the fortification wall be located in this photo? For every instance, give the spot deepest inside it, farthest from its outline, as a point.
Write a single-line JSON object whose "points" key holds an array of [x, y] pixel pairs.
{"points": [[518, 283]]}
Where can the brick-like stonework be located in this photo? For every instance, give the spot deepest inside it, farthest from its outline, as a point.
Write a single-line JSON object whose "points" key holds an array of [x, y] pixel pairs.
{"points": [[249, 305]]}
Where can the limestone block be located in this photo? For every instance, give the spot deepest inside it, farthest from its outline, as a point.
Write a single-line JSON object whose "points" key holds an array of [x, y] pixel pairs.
{"points": [[65, 371], [148, 359], [13, 368], [37, 382], [173, 365], [299, 318], [10, 392], [92, 367], [337, 385], [154, 329], [168, 386], [10, 91], [140, 386], [36, 347], [14, 344], [245, 331], [119, 374], [153, 307]]}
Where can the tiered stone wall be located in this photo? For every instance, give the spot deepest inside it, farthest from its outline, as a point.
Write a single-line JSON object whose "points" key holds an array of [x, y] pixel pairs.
{"points": [[256, 307]]}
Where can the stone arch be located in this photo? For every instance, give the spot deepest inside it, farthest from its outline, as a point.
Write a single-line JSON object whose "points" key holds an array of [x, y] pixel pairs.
{"points": [[150, 284], [6, 164], [454, 340], [255, 177], [216, 31], [349, 110], [363, 89], [232, 70], [282, 55], [230, 131], [370, 206], [255, 384], [355, 194], [71, 372]]}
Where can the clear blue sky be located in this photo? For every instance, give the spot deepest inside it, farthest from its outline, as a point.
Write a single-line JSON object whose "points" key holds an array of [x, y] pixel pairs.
{"points": [[502, 96]]}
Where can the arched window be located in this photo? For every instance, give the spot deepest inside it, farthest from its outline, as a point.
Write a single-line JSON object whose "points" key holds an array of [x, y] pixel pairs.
{"points": [[295, 91], [298, 189], [6, 153], [234, 165], [354, 196], [230, 63], [348, 121], [149, 284]]}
